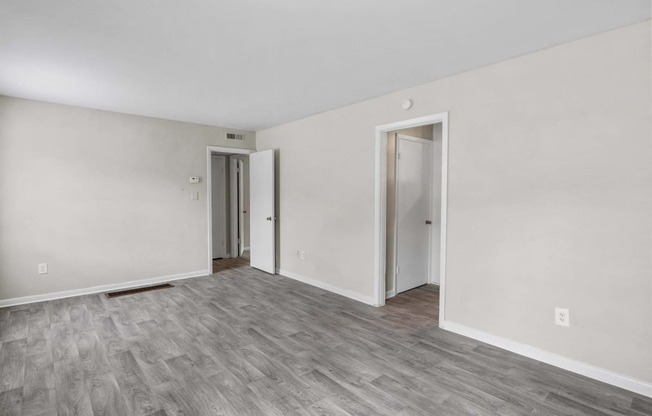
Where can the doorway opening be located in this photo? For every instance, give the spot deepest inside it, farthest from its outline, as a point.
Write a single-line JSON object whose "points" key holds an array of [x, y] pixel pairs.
{"points": [[228, 207], [410, 176], [411, 181]]}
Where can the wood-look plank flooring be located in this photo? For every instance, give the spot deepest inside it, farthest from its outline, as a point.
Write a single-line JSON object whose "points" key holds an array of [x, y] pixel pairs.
{"points": [[242, 342]]}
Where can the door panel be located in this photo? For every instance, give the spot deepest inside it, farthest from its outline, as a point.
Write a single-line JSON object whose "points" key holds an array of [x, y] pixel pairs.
{"points": [[262, 218], [233, 209], [413, 196], [218, 205], [241, 208]]}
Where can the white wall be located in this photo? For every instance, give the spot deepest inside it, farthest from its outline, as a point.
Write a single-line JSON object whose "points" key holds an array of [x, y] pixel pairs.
{"points": [[102, 197], [549, 196]]}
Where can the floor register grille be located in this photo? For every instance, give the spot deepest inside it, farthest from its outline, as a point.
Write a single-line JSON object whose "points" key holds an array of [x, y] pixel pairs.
{"points": [[137, 290]]}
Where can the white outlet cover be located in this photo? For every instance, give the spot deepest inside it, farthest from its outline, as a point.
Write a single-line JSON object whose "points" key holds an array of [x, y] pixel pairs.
{"points": [[303, 255], [562, 317], [42, 268]]}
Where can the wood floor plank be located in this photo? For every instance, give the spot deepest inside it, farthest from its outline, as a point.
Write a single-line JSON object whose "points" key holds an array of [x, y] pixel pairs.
{"points": [[239, 396], [14, 328], [130, 377], [11, 402], [70, 388], [642, 405], [104, 394], [92, 355], [12, 364], [64, 347], [327, 407], [350, 402], [38, 389]]}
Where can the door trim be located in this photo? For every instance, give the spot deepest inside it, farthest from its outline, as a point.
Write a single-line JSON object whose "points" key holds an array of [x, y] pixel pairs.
{"points": [[209, 150], [380, 226], [430, 143]]}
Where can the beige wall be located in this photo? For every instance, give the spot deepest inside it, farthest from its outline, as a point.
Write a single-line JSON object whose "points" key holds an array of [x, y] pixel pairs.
{"points": [[102, 197], [549, 196]]}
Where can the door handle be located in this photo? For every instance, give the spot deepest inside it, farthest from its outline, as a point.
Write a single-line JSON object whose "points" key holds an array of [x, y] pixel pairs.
{"points": [[269, 218], [428, 222]]}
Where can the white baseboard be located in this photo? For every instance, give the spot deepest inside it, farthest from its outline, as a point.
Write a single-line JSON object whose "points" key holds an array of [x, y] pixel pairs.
{"points": [[390, 293], [99, 289], [606, 376], [312, 282]]}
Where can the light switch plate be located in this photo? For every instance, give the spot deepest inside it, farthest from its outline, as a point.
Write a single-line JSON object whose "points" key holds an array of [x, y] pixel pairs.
{"points": [[194, 179]]}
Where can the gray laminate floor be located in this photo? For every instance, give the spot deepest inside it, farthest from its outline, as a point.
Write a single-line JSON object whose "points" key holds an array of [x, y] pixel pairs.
{"points": [[243, 342]]}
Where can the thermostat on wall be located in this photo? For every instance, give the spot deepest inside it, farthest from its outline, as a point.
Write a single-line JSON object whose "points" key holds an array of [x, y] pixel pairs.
{"points": [[194, 179]]}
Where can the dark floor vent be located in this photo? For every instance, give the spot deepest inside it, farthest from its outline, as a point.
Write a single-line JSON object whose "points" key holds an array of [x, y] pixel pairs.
{"points": [[137, 290]]}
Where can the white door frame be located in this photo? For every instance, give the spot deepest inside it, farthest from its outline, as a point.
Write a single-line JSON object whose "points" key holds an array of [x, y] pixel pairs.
{"points": [[380, 225], [209, 150], [396, 201]]}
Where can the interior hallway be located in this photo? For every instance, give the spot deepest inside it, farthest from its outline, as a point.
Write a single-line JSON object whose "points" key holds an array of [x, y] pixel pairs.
{"points": [[220, 265], [242, 342]]}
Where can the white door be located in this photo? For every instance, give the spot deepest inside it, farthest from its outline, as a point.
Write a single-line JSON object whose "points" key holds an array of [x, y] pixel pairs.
{"points": [[413, 195], [218, 205], [241, 209], [261, 211], [233, 209]]}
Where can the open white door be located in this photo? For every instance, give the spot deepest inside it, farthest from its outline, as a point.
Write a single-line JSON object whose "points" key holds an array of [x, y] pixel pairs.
{"points": [[233, 209], [262, 218], [218, 206], [413, 190], [241, 209]]}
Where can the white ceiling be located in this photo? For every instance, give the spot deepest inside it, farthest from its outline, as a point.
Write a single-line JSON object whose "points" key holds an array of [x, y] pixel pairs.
{"points": [[252, 64]]}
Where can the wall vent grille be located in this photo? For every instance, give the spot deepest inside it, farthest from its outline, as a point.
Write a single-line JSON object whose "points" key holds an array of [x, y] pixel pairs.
{"points": [[137, 290], [235, 136]]}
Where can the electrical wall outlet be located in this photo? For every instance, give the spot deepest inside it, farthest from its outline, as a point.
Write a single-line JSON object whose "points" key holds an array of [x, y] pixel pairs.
{"points": [[303, 255], [42, 268], [562, 317]]}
